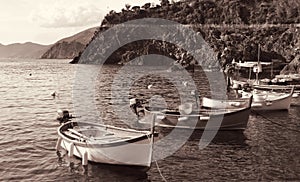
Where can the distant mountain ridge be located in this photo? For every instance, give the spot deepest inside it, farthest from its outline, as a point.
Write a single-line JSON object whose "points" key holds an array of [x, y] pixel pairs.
{"points": [[69, 47], [66, 48], [25, 50]]}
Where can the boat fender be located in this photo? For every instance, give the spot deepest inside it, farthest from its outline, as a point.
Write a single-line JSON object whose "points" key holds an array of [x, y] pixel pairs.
{"points": [[160, 117], [204, 118], [71, 150], [255, 105], [85, 158], [183, 118], [58, 143]]}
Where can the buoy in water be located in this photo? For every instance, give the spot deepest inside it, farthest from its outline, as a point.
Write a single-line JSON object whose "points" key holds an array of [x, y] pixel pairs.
{"points": [[53, 94]]}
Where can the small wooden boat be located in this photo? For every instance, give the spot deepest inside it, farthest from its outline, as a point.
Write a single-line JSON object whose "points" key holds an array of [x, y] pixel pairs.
{"points": [[106, 144], [269, 100], [209, 119]]}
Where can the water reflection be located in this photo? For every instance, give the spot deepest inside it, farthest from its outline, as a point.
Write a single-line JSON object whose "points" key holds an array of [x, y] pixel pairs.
{"points": [[100, 172], [267, 152], [104, 172], [229, 138], [224, 137]]}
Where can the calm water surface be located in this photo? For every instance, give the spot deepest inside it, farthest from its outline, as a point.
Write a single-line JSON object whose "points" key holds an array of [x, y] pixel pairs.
{"points": [[267, 150]]}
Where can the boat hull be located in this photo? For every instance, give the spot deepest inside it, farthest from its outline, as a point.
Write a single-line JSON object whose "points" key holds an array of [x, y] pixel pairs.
{"points": [[134, 152], [282, 103], [234, 120], [270, 101]]}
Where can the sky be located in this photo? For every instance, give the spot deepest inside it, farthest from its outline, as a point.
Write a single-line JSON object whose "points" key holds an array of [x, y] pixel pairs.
{"points": [[47, 21]]}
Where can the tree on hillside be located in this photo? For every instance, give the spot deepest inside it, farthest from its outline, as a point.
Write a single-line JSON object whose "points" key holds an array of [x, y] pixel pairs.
{"points": [[127, 6], [164, 2]]}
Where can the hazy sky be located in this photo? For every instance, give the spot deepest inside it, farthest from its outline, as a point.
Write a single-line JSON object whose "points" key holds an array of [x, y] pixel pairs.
{"points": [[47, 21]]}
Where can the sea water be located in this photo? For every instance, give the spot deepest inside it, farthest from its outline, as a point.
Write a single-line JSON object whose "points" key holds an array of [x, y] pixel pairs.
{"points": [[267, 150]]}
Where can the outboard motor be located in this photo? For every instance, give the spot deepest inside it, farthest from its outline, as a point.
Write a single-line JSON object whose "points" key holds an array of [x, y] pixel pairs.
{"points": [[63, 116], [134, 105]]}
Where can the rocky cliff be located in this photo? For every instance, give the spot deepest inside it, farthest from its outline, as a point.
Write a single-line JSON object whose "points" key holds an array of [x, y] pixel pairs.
{"points": [[293, 67], [70, 47], [232, 28]]}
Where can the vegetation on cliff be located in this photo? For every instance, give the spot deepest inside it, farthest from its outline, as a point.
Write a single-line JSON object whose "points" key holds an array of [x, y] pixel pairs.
{"points": [[214, 12], [232, 28]]}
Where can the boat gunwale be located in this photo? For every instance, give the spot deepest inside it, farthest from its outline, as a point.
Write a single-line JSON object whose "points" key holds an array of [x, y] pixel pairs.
{"points": [[86, 144], [230, 127], [210, 114]]}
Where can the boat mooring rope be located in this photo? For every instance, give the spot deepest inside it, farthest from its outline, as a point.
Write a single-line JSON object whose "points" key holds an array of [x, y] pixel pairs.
{"points": [[273, 122], [160, 173]]}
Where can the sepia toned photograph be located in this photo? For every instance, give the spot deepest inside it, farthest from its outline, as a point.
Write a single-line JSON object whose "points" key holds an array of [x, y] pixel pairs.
{"points": [[157, 90]]}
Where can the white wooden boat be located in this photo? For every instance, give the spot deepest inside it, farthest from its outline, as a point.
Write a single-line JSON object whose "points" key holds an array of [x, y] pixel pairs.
{"points": [[106, 144], [209, 119], [269, 100]]}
